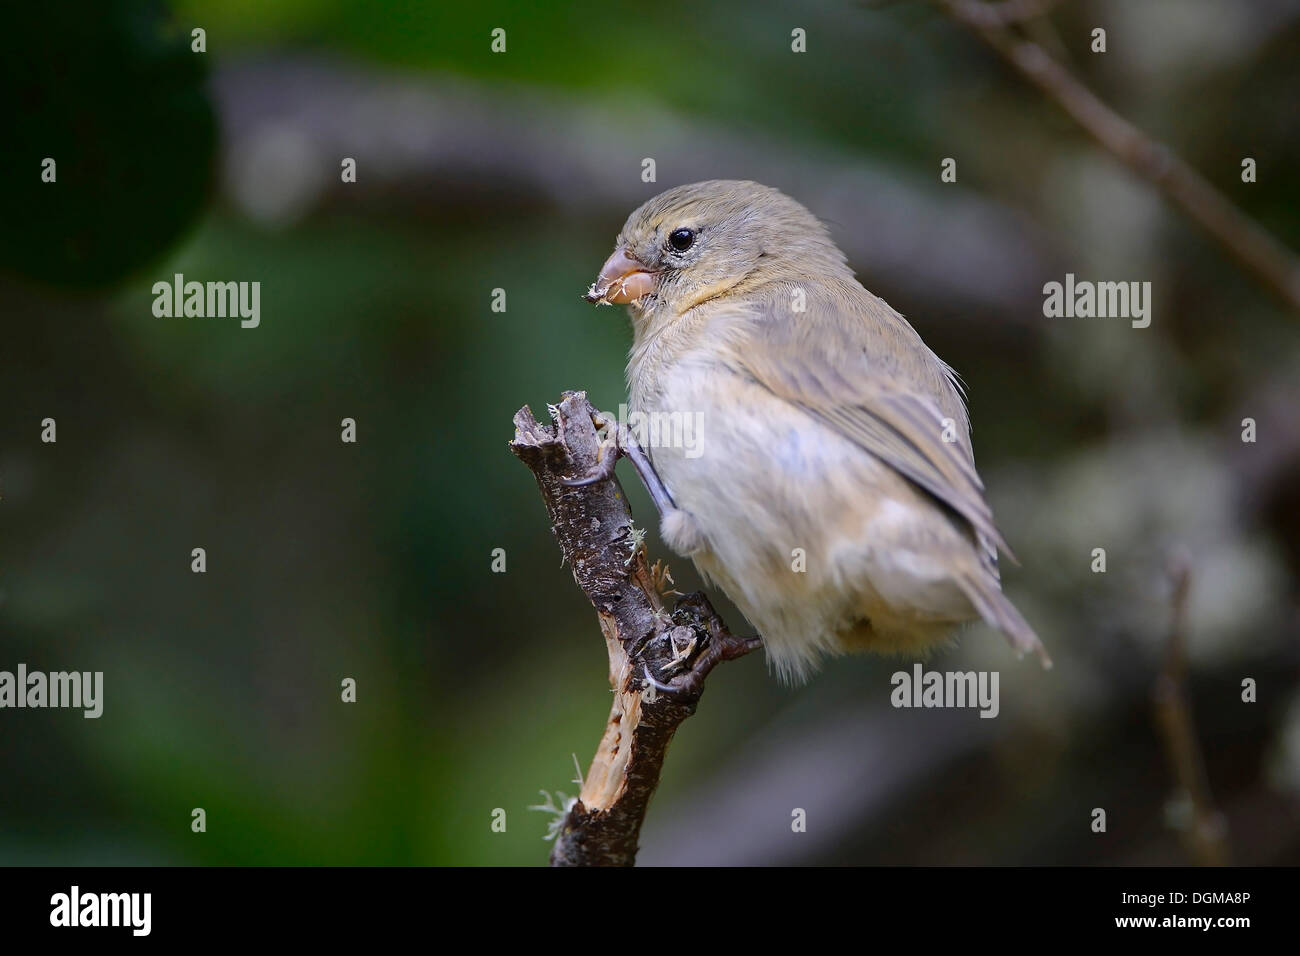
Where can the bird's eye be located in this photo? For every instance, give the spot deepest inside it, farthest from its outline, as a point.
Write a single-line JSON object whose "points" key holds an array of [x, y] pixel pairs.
{"points": [[682, 239]]}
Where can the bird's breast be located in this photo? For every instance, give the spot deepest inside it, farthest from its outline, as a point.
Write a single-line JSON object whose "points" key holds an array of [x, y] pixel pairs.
{"points": [[735, 455]]}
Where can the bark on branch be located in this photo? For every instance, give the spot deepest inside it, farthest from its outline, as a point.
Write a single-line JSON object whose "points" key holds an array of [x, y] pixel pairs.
{"points": [[647, 643]]}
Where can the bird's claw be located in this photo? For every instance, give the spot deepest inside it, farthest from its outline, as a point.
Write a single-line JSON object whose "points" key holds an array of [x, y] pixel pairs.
{"points": [[688, 682], [602, 472], [620, 442]]}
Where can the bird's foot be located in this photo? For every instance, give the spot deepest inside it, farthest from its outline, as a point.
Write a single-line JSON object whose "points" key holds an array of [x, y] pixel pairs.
{"points": [[698, 644]]}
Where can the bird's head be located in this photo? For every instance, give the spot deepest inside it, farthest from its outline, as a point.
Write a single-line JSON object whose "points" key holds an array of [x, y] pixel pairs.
{"points": [[697, 242]]}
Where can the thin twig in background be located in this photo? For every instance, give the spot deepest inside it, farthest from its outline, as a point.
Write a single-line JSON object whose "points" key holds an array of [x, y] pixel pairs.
{"points": [[1204, 834], [676, 649], [1248, 242]]}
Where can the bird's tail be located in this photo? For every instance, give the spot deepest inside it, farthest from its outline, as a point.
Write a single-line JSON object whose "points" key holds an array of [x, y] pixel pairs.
{"points": [[997, 611]]}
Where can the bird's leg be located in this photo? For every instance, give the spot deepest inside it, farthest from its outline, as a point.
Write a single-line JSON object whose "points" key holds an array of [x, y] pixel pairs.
{"points": [[622, 442], [646, 471]]}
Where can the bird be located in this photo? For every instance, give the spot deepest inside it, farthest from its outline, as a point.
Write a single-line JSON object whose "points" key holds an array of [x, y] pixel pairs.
{"points": [[833, 495]]}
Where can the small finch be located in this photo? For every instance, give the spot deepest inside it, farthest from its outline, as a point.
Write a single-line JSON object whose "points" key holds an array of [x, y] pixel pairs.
{"points": [[833, 494]]}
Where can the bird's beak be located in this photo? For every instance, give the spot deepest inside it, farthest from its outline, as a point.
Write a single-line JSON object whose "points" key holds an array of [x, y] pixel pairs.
{"points": [[622, 280]]}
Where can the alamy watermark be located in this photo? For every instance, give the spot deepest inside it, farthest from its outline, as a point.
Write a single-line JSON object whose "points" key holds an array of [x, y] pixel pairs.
{"points": [[1084, 299], [210, 300], [75, 689], [922, 688], [75, 909], [675, 429]]}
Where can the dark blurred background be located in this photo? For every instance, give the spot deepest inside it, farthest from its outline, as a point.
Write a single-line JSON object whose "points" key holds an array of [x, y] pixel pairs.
{"points": [[479, 170]]}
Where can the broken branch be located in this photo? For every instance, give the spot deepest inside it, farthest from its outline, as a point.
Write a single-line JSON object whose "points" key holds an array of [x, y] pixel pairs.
{"points": [[658, 659]]}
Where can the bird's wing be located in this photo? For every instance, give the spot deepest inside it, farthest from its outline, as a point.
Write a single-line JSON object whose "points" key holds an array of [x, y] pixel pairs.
{"points": [[854, 364]]}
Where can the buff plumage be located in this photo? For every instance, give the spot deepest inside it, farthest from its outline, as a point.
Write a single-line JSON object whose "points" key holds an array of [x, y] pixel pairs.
{"points": [[833, 495]]}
